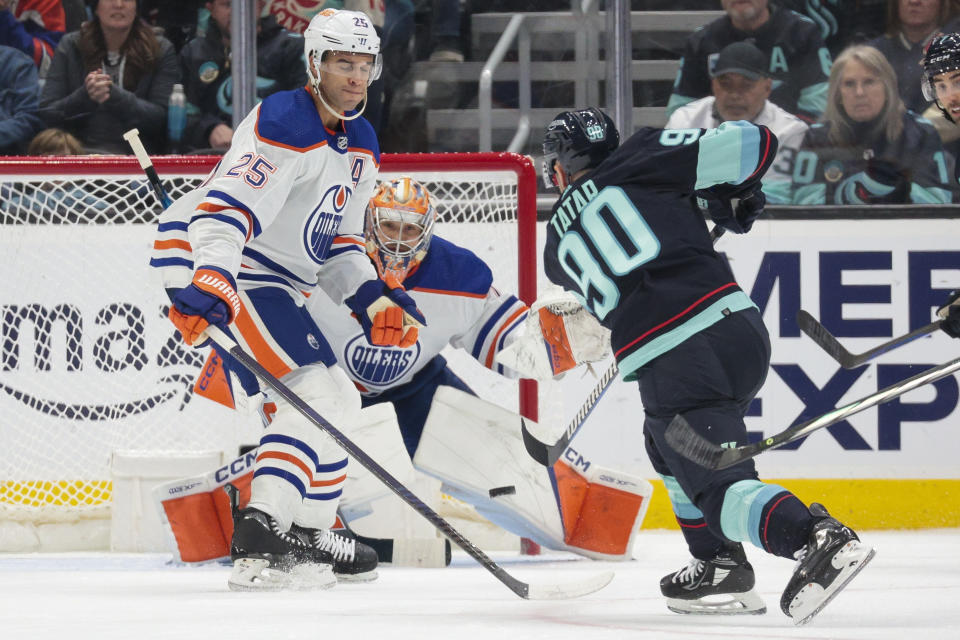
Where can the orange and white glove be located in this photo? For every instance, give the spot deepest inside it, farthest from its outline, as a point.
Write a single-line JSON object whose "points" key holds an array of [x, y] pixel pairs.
{"points": [[389, 316], [211, 298]]}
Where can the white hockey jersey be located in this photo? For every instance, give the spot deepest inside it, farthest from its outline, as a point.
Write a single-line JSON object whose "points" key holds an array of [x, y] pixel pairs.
{"points": [[284, 207], [789, 129], [454, 290]]}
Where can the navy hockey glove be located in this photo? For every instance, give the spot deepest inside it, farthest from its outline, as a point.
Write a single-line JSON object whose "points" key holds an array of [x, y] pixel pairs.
{"points": [[736, 213], [950, 314], [389, 316], [210, 299]]}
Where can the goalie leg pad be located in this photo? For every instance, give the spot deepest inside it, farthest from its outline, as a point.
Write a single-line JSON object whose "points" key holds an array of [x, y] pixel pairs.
{"points": [[474, 446]]}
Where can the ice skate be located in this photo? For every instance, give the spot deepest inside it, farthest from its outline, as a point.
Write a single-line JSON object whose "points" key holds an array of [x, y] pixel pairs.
{"points": [[352, 561], [832, 557], [268, 559], [722, 585]]}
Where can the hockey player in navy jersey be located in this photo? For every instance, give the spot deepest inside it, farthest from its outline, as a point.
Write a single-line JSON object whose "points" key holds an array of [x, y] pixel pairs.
{"points": [[281, 214], [941, 85], [626, 239]]}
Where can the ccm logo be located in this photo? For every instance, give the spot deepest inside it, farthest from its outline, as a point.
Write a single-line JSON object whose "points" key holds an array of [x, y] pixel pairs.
{"points": [[214, 281]]}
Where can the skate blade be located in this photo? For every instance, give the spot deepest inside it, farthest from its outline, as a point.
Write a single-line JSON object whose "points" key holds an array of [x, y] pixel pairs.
{"points": [[813, 595], [728, 604], [367, 576], [255, 574]]}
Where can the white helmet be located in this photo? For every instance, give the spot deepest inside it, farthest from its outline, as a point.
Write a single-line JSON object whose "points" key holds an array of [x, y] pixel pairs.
{"points": [[340, 30]]}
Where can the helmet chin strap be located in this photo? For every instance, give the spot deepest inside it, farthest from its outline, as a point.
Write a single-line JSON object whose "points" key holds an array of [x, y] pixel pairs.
{"points": [[319, 92]]}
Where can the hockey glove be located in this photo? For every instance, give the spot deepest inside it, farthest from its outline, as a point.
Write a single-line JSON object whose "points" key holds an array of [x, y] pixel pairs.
{"points": [[389, 316], [210, 299], [737, 212], [950, 314]]}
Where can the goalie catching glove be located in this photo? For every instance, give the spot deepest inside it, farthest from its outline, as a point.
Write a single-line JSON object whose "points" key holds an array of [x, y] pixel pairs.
{"points": [[559, 335], [211, 298], [389, 316]]}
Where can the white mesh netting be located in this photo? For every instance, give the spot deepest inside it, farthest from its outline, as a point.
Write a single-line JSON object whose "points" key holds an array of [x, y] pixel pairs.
{"points": [[90, 365]]}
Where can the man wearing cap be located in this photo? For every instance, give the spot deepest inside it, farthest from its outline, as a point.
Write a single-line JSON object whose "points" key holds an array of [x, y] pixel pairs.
{"points": [[741, 87], [798, 61]]}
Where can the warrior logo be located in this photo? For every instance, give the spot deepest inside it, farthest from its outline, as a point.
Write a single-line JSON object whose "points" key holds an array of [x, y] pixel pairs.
{"points": [[378, 366], [323, 224]]}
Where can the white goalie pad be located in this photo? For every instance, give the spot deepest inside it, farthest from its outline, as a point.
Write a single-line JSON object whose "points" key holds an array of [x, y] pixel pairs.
{"points": [[475, 448], [559, 334], [196, 515]]}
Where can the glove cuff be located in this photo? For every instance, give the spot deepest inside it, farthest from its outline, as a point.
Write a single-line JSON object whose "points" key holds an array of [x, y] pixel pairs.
{"points": [[218, 282]]}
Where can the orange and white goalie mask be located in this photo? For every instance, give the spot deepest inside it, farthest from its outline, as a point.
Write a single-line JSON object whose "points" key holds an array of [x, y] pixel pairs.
{"points": [[399, 227]]}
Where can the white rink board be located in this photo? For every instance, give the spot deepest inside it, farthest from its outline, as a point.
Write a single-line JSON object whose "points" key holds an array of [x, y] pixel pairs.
{"points": [[929, 445]]}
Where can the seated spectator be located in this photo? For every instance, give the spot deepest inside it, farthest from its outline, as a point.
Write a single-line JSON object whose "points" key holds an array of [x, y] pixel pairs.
{"points": [[741, 85], [869, 149], [911, 24], [54, 200], [19, 100], [111, 75], [33, 26], [799, 61], [176, 20], [842, 22], [208, 83]]}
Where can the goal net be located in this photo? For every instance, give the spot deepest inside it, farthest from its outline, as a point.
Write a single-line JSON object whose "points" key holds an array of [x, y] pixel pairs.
{"points": [[90, 364]]}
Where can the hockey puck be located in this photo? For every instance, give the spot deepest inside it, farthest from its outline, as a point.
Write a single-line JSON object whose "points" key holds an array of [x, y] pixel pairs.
{"points": [[503, 491]]}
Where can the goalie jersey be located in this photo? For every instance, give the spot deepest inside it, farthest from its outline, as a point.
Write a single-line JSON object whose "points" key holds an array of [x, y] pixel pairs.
{"points": [[284, 207], [454, 289], [629, 242]]}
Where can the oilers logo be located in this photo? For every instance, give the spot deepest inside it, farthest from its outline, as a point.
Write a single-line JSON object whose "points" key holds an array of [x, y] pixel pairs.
{"points": [[377, 366], [323, 224]]}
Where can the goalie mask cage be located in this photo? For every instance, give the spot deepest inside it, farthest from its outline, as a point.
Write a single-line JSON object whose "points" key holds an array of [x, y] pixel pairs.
{"points": [[91, 365]]}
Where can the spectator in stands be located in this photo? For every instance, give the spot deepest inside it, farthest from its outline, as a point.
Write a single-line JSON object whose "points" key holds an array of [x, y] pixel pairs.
{"points": [[911, 24], [741, 86], [842, 22], [175, 19], [112, 75], [869, 149], [207, 79], [19, 100], [33, 26], [799, 61], [447, 43], [55, 142]]}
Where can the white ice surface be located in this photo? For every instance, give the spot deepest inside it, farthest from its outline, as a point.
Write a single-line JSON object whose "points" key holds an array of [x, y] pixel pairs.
{"points": [[910, 591]]}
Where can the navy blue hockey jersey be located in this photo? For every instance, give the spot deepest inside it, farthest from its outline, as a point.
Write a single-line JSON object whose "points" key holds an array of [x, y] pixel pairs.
{"points": [[628, 241]]}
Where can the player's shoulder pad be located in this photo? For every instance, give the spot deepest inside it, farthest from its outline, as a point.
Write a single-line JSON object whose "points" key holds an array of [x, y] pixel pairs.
{"points": [[289, 119], [451, 268], [363, 138]]}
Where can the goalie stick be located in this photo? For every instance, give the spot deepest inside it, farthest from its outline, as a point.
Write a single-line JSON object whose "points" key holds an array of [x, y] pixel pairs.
{"points": [[522, 589], [826, 341], [693, 446], [547, 454]]}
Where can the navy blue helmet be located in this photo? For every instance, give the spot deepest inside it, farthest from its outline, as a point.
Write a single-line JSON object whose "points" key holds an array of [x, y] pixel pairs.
{"points": [[578, 140], [941, 56]]}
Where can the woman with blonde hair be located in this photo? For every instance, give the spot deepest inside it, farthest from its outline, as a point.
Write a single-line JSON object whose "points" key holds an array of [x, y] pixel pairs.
{"points": [[111, 75], [868, 148]]}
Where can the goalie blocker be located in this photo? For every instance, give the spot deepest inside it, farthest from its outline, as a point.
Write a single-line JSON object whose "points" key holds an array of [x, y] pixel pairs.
{"points": [[474, 449]]}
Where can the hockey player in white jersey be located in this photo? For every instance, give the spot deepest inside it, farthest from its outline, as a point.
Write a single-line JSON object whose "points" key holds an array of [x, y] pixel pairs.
{"points": [[280, 214]]}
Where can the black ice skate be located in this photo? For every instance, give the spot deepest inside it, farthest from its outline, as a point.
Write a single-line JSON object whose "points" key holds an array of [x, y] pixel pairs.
{"points": [[352, 561], [832, 557], [268, 559], [722, 585]]}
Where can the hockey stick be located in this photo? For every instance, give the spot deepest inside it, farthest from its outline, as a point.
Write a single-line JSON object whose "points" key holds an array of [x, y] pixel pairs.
{"points": [[133, 139], [825, 340], [691, 445], [522, 589], [547, 454]]}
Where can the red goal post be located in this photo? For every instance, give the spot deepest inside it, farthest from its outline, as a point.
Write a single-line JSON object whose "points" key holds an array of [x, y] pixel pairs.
{"points": [[90, 365]]}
